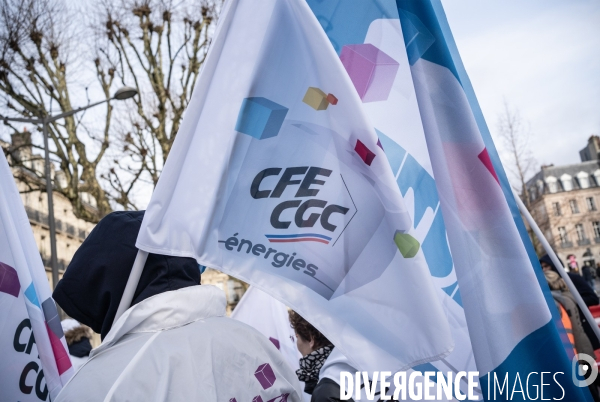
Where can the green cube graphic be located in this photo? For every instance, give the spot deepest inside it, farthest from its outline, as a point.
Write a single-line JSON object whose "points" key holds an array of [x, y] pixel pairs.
{"points": [[408, 245]]}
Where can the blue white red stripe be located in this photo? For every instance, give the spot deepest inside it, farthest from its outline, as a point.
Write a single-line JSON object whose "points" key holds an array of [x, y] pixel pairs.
{"points": [[292, 238]]}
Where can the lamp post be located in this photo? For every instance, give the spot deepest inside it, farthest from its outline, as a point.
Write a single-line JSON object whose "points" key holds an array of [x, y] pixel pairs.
{"points": [[121, 94]]}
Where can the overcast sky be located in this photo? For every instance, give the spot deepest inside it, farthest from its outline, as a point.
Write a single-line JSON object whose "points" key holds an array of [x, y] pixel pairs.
{"points": [[543, 57]]}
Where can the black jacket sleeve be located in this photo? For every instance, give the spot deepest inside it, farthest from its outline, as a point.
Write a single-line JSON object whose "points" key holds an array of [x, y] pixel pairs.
{"points": [[587, 293], [327, 390]]}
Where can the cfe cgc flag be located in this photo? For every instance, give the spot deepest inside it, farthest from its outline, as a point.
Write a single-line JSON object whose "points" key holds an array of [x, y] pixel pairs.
{"points": [[35, 362], [277, 177]]}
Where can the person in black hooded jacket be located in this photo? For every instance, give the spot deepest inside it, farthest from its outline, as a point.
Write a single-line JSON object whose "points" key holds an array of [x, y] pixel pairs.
{"points": [[174, 343]]}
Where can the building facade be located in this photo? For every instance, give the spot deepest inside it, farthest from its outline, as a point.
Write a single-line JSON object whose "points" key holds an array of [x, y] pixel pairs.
{"points": [[234, 288], [565, 203]]}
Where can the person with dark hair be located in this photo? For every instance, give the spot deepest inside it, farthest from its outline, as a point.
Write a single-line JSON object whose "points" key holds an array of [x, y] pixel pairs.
{"points": [[173, 343], [315, 348]]}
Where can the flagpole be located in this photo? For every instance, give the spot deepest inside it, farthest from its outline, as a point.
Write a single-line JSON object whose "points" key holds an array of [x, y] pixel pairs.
{"points": [[132, 282], [559, 266]]}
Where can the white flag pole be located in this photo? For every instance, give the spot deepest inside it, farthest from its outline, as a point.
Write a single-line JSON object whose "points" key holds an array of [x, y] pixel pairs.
{"points": [[559, 267], [132, 282]]}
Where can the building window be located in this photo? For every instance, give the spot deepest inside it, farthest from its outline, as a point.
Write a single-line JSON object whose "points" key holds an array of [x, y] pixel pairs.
{"points": [[596, 226], [583, 179], [540, 187], [574, 207], [597, 177], [556, 208], [562, 233], [552, 184], [590, 203], [567, 182], [580, 232]]}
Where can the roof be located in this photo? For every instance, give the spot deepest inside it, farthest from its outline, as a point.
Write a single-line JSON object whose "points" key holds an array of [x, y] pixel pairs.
{"points": [[539, 182]]}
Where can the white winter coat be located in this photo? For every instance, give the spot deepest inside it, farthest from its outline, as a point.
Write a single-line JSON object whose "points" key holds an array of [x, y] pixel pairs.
{"points": [[178, 346]]}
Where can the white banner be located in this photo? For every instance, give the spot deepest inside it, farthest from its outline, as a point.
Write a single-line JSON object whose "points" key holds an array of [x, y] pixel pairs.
{"points": [[35, 362], [278, 178]]}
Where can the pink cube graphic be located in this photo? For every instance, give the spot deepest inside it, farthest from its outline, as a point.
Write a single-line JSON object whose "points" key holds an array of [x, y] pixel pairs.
{"points": [[332, 99], [365, 153], [265, 376], [372, 71]]}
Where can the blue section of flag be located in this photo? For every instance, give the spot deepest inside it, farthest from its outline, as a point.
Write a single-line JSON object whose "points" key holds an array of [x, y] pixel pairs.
{"points": [[294, 236], [414, 176], [534, 354], [450, 289], [417, 36], [430, 367], [423, 34], [457, 298], [436, 250], [393, 151], [31, 295], [346, 22]]}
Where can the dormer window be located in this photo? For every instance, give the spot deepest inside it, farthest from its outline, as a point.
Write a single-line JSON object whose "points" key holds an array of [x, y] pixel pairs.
{"points": [[540, 186], [567, 182], [597, 177], [552, 183], [583, 179]]}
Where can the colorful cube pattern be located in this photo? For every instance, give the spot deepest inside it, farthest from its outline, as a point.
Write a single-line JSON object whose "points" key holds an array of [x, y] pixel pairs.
{"points": [[257, 398], [316, 98], [9, 280], [265, 375], [260, 118], [332, 99], [365, 153], [371, 70], [408, 245]]}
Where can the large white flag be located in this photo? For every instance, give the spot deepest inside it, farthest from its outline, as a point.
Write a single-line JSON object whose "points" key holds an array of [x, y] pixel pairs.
{"points": [[35, 363], [278, 178]]}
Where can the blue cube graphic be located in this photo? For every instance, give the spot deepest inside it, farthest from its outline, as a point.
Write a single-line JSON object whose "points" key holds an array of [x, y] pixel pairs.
{"points": [[260, 118]]}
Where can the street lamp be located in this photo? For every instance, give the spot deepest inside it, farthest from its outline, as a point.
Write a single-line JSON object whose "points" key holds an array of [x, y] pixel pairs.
{"points": [[121, 94]]}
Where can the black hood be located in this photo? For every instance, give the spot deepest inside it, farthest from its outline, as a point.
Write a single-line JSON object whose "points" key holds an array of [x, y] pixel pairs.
{"points": [[94, 282], [546, 258]]}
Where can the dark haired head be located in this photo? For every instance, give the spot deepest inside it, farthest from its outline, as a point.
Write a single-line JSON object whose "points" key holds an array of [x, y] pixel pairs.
{"points": [[306, 331]]}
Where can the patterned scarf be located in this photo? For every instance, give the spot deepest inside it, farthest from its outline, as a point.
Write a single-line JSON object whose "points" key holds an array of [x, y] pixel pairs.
{"points": [[310, 365]]}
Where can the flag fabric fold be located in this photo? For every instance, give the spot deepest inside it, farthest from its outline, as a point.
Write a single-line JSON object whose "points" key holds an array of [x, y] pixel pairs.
{"points": [[36, 362], [277, 177]]}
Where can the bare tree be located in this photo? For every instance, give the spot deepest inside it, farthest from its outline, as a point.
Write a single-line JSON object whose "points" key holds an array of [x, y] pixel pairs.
{"points": [[35, 42], [155, 46], [515, 136], [159, 47]]}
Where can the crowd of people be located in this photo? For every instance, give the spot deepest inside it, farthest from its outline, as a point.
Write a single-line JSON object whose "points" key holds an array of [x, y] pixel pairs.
{"points": [[581, 336]]}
